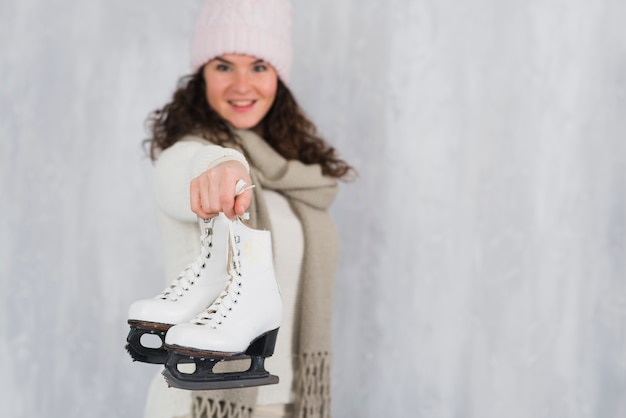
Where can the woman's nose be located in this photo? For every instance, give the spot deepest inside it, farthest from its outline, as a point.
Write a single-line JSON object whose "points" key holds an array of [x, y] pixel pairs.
{"points": [[242, 82]]}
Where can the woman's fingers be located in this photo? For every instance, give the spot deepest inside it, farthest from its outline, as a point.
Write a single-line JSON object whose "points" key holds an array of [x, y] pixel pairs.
{"points": [[242, 202], [196, 200], [215, 191]]}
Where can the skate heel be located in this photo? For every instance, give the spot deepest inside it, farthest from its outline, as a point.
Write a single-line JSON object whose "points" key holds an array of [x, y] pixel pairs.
{"points": [[263, 346]]}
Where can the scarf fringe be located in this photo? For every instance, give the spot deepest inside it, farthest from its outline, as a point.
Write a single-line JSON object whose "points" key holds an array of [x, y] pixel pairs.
{"points": [[314, 386], [210, 408]]}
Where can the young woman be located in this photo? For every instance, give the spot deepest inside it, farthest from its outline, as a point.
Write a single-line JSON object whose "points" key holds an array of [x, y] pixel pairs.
{"points": [[234, 118]]}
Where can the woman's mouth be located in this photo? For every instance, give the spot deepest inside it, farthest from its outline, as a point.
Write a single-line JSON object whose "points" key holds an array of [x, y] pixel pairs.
{"points": [[242, 104]]}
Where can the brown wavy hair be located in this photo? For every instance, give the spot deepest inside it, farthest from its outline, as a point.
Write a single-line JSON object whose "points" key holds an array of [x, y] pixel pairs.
{"points": [[284, 127]]}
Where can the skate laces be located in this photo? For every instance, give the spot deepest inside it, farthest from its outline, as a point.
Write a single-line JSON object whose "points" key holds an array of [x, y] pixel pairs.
{"points": [[228, 298], [192, 272]]}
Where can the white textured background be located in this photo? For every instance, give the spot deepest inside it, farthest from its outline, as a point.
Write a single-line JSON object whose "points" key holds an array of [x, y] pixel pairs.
{"points": [[484, 252]]}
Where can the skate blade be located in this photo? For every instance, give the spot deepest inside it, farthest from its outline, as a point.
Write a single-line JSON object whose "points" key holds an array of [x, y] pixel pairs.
{"points": [[145, 354], [226, 382]]}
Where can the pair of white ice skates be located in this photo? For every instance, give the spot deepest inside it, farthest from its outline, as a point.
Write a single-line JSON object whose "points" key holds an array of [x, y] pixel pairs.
{"points": [[226, 305]]}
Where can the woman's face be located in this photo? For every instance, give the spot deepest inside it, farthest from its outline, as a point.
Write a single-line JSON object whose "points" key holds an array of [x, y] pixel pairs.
{"points": [[240, 88]]}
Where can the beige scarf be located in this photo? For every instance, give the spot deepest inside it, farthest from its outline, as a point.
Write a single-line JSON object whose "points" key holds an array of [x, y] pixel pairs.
{"points": [[309, 194]]}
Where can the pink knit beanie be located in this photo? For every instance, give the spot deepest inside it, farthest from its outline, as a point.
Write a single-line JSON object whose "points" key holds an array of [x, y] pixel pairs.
{"points": [[260, 28]]}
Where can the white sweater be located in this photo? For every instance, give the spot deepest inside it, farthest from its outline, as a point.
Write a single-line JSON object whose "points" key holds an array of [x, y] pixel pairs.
{"points": [[174, 170]]}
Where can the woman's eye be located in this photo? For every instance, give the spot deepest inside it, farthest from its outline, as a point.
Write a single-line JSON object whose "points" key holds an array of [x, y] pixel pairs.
{"points": [[260, 68], [222, 67]]}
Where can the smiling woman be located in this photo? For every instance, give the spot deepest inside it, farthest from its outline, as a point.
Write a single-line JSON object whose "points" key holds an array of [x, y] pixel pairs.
{"points": [[234, 123]]}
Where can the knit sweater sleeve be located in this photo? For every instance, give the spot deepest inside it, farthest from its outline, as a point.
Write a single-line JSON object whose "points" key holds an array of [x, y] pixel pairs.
{"points": [[177, 166]]}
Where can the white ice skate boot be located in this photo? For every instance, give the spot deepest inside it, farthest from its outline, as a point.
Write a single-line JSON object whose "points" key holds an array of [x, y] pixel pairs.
{"points": [[242, 322], [191, 292]]}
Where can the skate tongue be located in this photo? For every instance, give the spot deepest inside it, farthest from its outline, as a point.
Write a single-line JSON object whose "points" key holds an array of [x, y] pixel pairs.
{"points": [[220, 307], [189, 275], [228, 297], [184, 280]]}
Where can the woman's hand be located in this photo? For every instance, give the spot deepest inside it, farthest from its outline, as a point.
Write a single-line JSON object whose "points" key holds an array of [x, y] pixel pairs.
{"points": [[214, 191]]}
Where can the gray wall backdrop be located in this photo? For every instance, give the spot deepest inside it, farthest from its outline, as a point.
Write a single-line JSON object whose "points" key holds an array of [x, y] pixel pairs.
{"points": [[484, 259]]}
